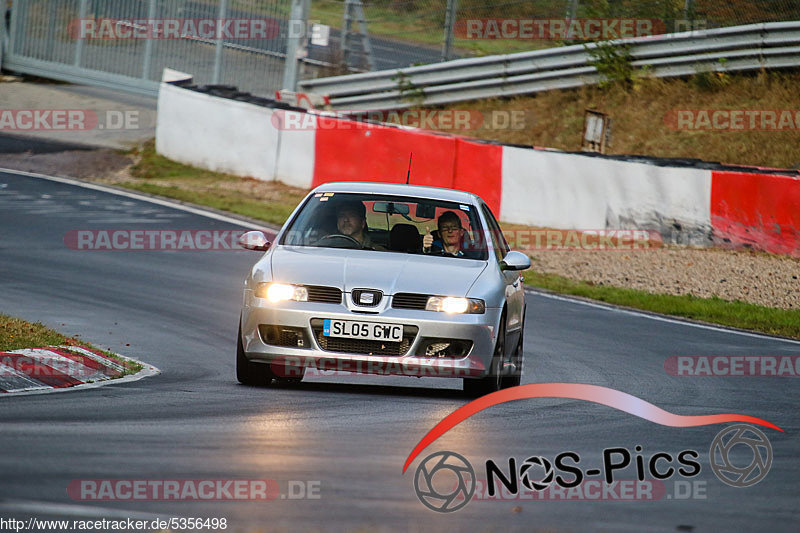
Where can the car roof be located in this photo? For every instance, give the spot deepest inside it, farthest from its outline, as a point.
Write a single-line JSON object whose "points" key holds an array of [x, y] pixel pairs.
{"points": [[400, 189]]}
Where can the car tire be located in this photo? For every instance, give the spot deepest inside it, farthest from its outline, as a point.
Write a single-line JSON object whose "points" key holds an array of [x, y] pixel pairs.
{"points": [[518, 359], [248, 373], [493, 381]]}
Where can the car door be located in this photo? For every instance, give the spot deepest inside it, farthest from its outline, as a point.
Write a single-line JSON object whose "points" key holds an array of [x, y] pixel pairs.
{"points": [[515, 295]]}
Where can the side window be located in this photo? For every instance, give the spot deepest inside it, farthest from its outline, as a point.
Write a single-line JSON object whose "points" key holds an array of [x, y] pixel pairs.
{"points": [[500, 245]]}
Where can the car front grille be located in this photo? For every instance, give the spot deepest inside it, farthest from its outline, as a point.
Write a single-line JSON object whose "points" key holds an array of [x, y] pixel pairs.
{"points": [[408, 300], [363, 346], [328, 295]]}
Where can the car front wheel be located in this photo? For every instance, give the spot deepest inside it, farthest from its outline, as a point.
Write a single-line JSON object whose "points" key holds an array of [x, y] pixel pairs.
{"points": [[493, 381], [250, 373]]}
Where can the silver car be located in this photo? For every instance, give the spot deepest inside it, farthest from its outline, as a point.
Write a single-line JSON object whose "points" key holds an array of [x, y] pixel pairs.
{"points": [[384, 278]]}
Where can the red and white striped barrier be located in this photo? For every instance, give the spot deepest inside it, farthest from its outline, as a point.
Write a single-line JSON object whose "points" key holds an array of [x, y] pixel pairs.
{"points": [[530, 186], [55, 367]]}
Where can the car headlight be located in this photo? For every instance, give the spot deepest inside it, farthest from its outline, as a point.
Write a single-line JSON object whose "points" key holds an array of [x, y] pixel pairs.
{"points": [[453, 305], [280, 292]]}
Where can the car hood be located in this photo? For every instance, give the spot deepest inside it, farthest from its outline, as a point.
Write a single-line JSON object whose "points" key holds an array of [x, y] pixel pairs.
{"points": [[385, 271]]}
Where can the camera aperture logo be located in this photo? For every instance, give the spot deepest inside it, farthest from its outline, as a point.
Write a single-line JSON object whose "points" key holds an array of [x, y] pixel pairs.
{"points": [[444, 482], [740, 456], [723, 462]]}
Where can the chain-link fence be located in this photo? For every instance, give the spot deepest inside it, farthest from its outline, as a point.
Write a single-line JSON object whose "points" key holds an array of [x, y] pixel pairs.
{"points": [[128, 43], [411, 32], [90, 41]]}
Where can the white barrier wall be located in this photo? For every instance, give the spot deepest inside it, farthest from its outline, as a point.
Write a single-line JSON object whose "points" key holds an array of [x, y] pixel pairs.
{"points": [[218, 134], [570, 191], [296, 150], [239, 138]]}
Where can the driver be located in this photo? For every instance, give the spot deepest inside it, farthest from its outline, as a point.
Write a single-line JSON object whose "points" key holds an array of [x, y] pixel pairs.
{"points": [[351, 220]]}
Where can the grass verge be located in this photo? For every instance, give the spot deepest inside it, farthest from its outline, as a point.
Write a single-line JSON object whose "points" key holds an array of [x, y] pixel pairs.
{"points": [[17, 334], [271, 202], [713, 310]]}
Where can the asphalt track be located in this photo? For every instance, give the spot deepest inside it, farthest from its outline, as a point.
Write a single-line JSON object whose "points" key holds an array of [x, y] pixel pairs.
{"points": [[178, 310]]}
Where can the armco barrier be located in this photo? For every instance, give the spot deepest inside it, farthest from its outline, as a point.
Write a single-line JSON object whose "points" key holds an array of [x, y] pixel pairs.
{"points": [[687, 201], [756, 209]]}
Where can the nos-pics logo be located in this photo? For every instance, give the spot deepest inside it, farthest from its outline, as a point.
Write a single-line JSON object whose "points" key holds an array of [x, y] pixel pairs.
{"points": [[445, 481]]}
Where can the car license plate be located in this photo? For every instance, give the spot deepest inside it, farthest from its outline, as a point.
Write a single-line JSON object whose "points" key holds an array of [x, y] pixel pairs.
{"points": [[352, 329]]}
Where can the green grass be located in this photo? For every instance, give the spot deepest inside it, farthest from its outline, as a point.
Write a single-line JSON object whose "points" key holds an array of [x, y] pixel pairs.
{"points": [[273, 213], [714, 310], [17, 334], [161, 176], [421, 27]]}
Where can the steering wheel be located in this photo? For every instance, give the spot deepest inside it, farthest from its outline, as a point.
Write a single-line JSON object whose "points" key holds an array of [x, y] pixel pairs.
{"points": [[345, 239]]}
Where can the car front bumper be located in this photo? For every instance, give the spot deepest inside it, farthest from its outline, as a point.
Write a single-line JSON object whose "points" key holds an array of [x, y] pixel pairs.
{"points": [[286, 361]]}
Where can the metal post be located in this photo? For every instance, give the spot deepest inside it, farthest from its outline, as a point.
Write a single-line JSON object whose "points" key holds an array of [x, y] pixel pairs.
{"points": [[223, 10], [148, 46], [572, 9], [13, 29], [366, 46], [83, 12], [688, 13], [449, 25], [3, 33], [51, 30], [294, 40]]}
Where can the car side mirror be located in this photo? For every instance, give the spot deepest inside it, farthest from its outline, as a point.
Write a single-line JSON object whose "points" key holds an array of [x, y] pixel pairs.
{"points": [[255, 241], [515, 261]]}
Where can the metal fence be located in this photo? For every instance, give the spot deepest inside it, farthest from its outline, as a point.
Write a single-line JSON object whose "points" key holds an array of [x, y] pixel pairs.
{"points": [[749, 47], [405, 33], [45, 38]]}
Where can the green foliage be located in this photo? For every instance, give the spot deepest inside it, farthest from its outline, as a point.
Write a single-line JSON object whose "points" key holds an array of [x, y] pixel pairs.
{"points": [[408, 91], [712, 81], [613, 63]]}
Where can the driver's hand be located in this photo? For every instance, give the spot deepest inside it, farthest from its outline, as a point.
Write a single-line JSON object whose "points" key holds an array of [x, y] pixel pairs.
{"points": [[427, 240]]}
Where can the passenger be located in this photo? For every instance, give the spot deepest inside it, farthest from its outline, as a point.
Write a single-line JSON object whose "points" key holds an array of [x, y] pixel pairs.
{"points": [[451, 236]]}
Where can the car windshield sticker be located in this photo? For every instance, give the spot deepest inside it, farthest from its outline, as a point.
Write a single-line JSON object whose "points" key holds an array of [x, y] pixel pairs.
{"points": [[463, 207], [328, 194]]}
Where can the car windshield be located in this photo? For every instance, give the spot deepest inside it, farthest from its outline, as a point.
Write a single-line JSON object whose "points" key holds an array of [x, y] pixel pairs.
{"points": [[388, 223]]}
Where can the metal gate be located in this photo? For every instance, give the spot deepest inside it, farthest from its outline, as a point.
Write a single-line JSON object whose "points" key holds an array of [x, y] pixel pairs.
{"points": [[124, 44]]}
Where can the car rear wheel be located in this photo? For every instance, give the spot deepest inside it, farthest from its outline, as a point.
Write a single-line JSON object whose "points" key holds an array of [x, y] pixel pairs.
{"points": [[493, 381], [250, 373]]}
